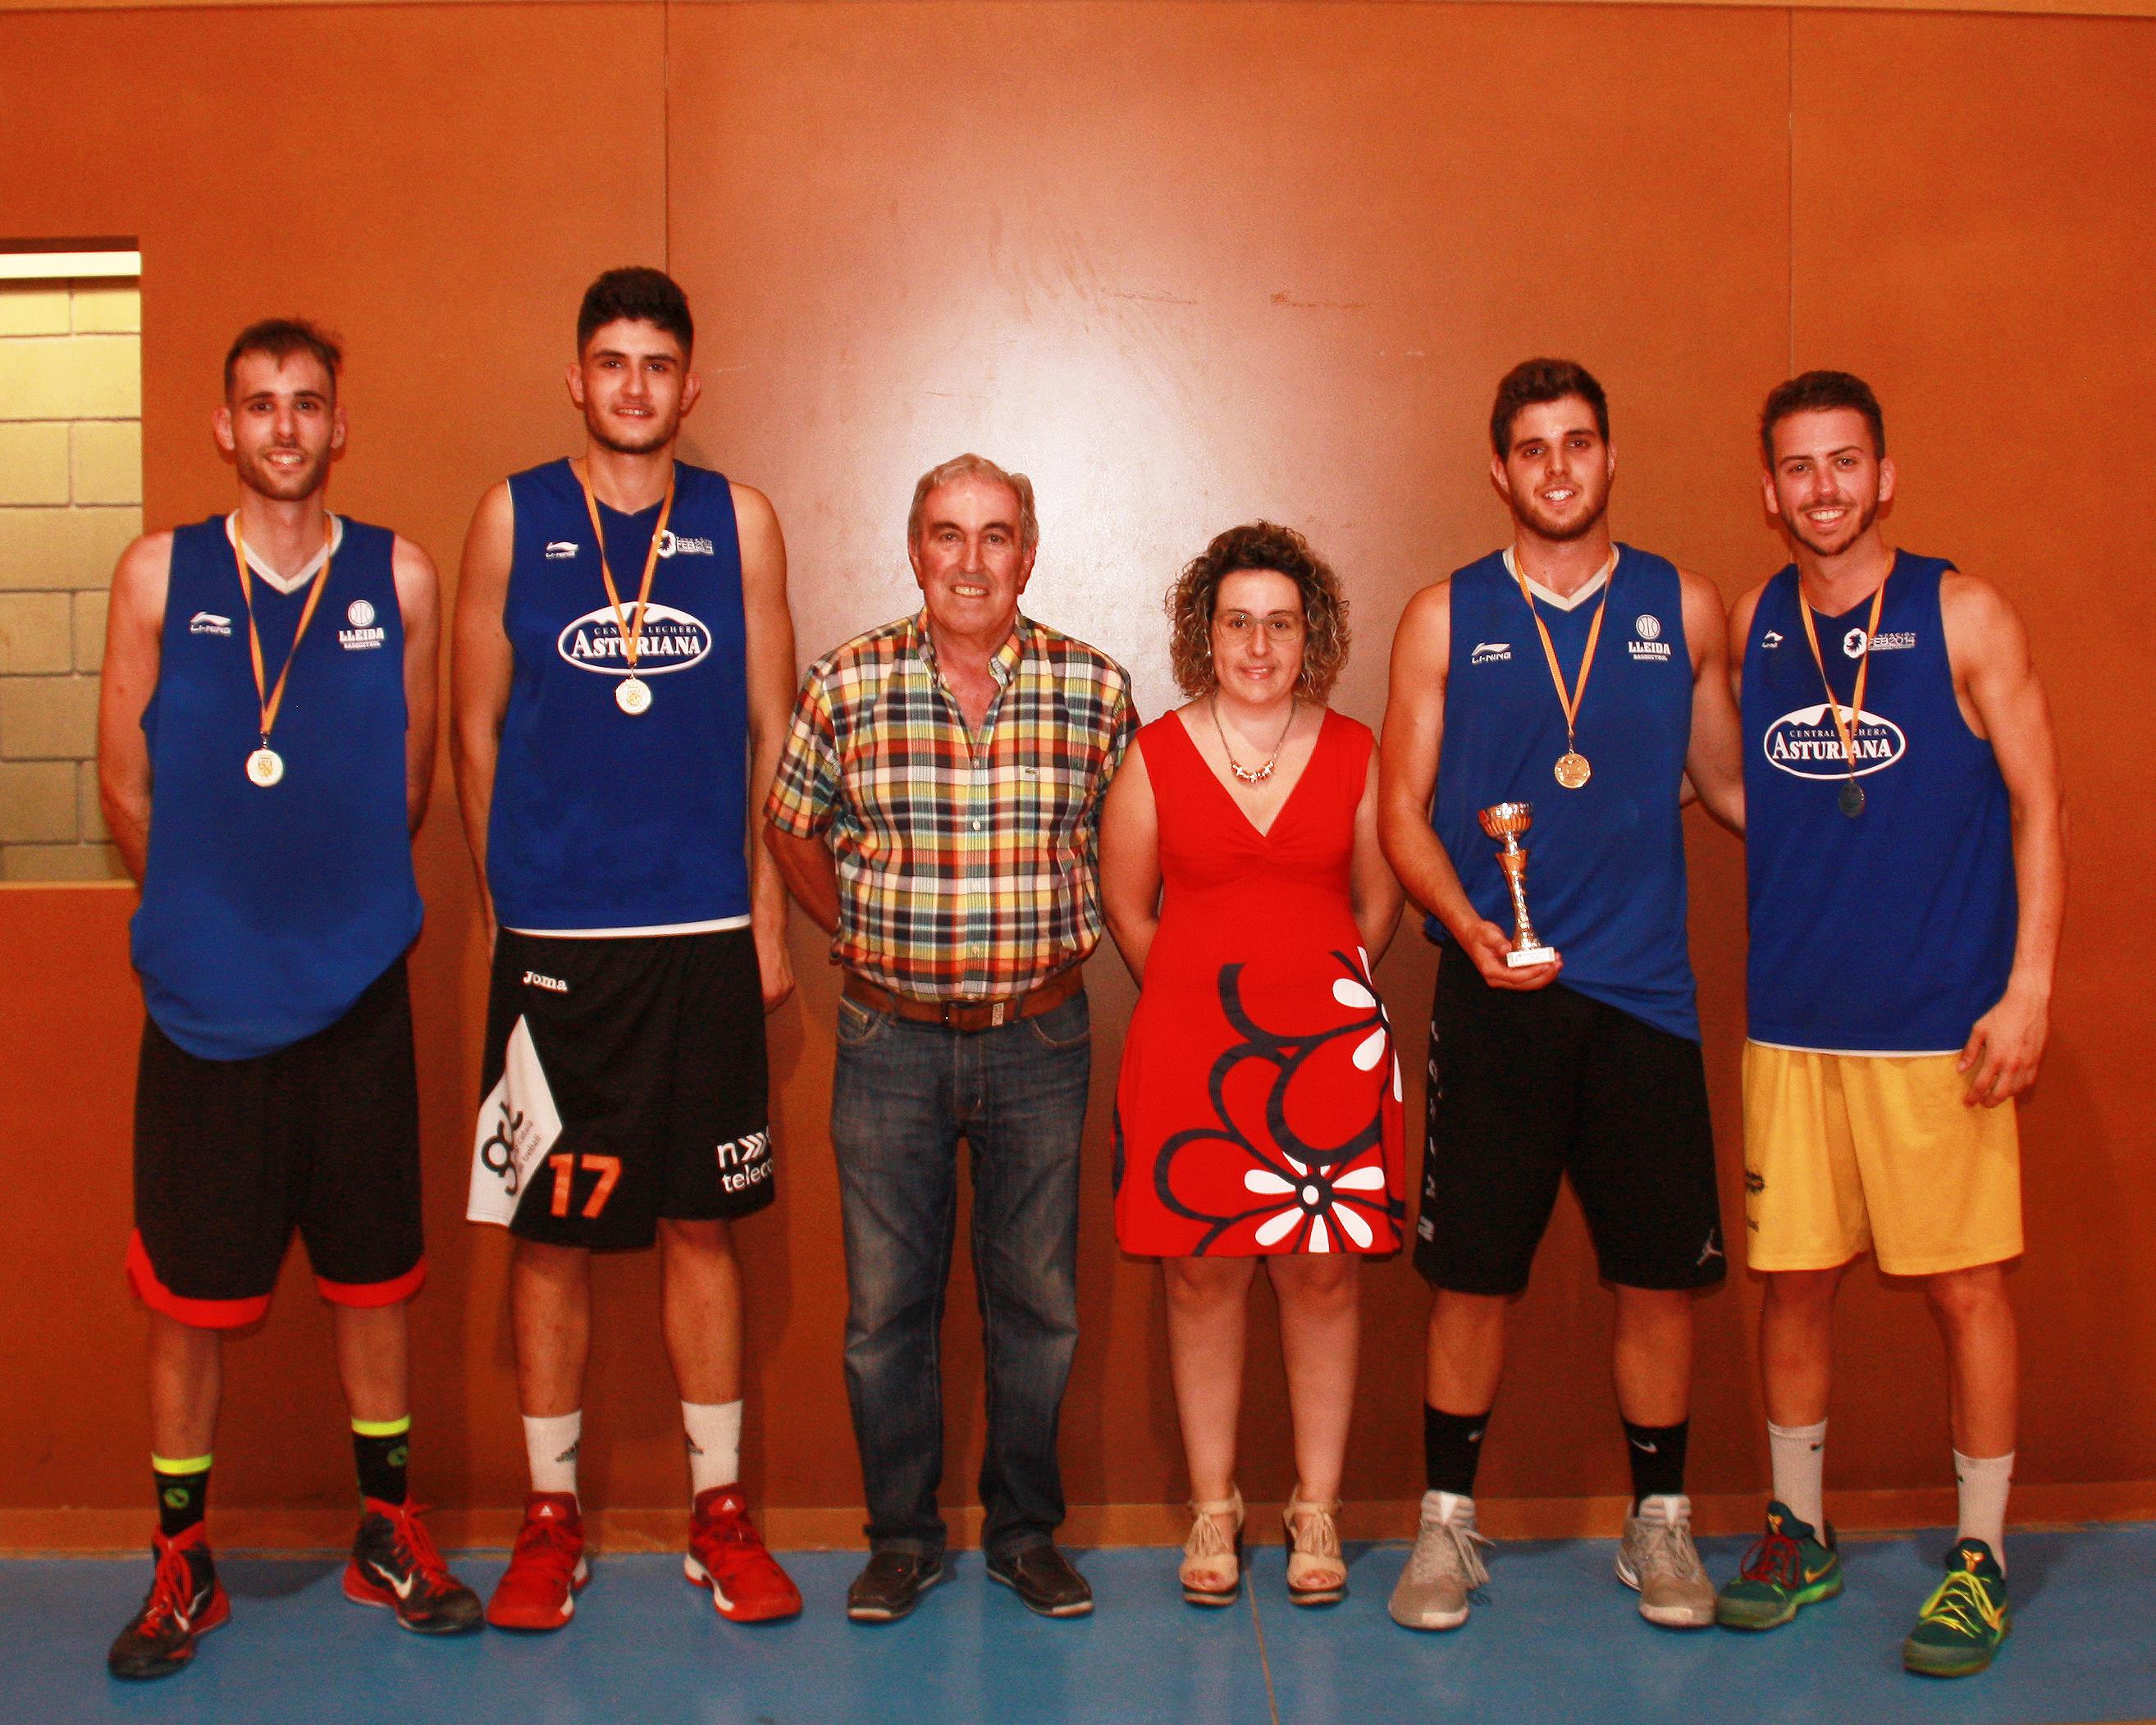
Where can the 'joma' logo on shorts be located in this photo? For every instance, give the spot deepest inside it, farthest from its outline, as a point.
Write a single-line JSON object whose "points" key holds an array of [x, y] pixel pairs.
{"points": [[553, 984]]}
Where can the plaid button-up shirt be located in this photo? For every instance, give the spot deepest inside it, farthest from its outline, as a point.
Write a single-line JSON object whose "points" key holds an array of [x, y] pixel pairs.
{"points": [[966, 864]]}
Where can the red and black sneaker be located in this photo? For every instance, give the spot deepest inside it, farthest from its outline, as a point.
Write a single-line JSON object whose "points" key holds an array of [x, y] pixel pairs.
{"points": [[394, 1565], [185, 1602], [726, 1556], [538, 1590]]}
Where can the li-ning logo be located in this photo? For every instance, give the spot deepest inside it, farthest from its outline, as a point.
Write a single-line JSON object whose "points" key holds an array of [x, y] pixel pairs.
{"points": [[553, 984], [556, 549], [1807, 743], [364, 632], [672, 640], [744, 1162], [208, 623], [1490, 652], [671, 544], [1651, 646], [1772, 638]]}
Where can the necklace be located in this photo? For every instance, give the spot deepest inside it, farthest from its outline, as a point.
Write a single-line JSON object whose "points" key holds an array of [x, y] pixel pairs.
{"points": [[1250, 775]]}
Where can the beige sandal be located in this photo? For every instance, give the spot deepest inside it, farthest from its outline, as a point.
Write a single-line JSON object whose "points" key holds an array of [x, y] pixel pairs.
{"points": [[1208, 1552], [1313, 1550]]}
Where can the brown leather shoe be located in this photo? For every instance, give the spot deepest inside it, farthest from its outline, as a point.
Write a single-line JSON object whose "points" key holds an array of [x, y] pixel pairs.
{"points": [[1043, 1577], [891, 1585]]}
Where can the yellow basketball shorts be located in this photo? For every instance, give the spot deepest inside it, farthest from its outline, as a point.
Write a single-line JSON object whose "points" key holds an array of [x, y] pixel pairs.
{"points": [[1846, 1153]]}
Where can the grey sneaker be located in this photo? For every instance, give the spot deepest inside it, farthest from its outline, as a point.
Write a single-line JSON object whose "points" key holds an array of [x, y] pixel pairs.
{"points": [[1444, 1567], [1657, 1560]]}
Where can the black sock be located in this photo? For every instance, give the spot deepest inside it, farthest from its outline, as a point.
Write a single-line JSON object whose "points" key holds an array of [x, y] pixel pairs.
{"points": [[182, 1490], [380, 1455], [1658, 1458], [1451, 1445]]}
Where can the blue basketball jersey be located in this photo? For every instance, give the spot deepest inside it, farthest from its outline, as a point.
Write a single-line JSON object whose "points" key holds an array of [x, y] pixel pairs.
{"points": [[605, 822], [266, 912], [1892, 931], [1605, 882]]}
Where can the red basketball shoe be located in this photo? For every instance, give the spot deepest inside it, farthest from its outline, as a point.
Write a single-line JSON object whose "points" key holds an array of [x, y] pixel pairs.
{"points": [[186, 1601], [726, 1555], [538, 1590]]}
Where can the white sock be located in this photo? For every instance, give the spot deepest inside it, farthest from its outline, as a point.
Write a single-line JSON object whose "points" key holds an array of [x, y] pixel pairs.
{"points": [[550, 1445], [1800, 1462], [1983, 1483], [714, 1429], [1450, 1506]]}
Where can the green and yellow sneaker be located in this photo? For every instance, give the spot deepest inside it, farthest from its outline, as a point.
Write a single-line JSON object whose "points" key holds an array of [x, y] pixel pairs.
{"points": [[1791, 1566], [1965, 1618]]}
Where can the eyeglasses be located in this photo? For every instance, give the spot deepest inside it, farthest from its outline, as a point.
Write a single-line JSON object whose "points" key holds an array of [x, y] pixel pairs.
{"points": [[1278, 625]]}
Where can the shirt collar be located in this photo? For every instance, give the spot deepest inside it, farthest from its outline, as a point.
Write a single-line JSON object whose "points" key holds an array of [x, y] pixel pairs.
{"points": [[1565, 602], [1003, 663], [287, 584]]}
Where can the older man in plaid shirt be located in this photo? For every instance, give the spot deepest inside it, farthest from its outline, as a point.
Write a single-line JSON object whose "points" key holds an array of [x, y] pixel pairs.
{"points": [[936, 810]]}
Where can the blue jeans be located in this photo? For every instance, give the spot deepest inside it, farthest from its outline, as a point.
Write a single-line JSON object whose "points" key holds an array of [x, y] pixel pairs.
{"points": [[903, 1095]]}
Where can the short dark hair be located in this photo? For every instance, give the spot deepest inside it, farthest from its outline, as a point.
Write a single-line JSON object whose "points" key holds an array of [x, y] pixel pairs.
{"points": [[1534, 381], [1820, 391], [1258, 545], [282, 338], [641, 295]]}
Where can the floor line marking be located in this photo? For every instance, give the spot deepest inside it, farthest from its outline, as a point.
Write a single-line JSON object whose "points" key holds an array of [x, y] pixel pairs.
{"points": [[1265, 1660]]}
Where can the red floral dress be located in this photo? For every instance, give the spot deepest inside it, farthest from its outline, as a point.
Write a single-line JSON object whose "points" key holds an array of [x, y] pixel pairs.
{"points": [[1258, 1109]]}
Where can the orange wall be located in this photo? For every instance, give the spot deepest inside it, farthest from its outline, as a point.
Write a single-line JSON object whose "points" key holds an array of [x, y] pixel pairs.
{"points": [[1184, 263]]}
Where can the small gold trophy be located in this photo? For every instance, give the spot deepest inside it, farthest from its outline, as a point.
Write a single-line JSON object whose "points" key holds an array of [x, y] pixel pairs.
{"points": [[1506, 821]]}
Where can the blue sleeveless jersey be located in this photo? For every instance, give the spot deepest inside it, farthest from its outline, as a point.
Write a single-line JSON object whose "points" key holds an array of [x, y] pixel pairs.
{"points": [[603, 822], [1606, 877], [266, 913], [1891, 932]]}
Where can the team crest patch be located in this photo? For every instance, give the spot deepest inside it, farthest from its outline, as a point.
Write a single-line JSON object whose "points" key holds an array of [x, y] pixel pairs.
{"points": [[1649, 644], [364, 633], [673, 545]]}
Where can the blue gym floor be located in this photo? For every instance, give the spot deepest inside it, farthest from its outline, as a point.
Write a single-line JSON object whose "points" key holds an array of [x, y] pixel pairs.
{"points": [[1556, 1640]]}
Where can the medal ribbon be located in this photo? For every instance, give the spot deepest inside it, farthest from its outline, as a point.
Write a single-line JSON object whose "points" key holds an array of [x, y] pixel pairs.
{"points": [[1847, 731], [274, 698], [1568, 700], [632, 632]]}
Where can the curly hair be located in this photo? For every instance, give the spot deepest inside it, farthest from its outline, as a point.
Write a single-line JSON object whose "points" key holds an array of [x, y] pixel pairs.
{"points": [[1258, 545]]}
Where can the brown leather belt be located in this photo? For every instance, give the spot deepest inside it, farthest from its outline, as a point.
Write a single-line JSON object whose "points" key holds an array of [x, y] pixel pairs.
{"points": [[967, 1014]]}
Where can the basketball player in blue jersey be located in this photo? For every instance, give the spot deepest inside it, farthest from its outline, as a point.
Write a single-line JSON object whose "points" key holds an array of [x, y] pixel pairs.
{"points": [[1585, 680], [624, 677], [265, 749], [1906, 860]]}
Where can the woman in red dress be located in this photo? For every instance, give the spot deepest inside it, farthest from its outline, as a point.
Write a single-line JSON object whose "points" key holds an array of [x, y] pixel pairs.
{"points": [[1258, 1109]]}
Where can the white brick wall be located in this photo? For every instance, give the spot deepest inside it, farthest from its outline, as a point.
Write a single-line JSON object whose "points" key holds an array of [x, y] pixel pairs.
{"points": [[70, 498]]}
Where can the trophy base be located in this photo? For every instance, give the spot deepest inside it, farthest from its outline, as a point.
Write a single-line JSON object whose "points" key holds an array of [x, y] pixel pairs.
{"points": [[1525, 955]]}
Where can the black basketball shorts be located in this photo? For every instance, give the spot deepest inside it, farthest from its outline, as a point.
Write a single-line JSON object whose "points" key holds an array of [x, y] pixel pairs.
{"points": [[1528, 1089], [232, 1156], [624, 1080]]}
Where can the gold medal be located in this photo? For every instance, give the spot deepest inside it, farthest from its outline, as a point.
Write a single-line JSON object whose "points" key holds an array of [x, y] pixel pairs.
{"points": [[1571, 768], [632, 695], [265, 766]]}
